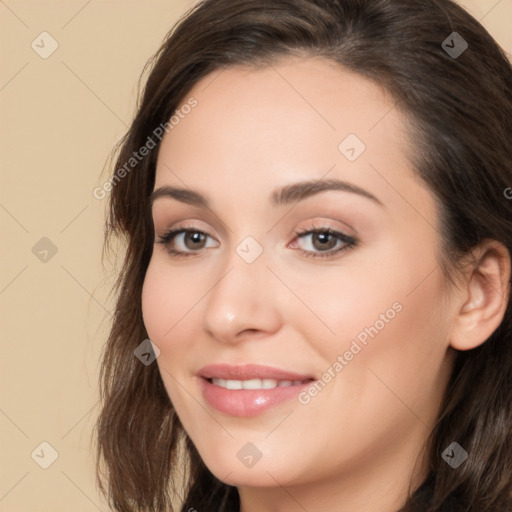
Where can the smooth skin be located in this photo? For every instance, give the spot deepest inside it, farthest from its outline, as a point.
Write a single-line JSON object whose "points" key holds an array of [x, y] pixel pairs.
{"points": [[354, 445]]}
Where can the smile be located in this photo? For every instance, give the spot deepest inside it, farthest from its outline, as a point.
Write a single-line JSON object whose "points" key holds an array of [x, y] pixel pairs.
{"points": [[256, 383], [249, 390]]}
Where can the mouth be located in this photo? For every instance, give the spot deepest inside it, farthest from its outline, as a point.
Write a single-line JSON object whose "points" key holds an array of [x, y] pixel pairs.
{"points": [[250, 372], [249, 390], [257, 383]]}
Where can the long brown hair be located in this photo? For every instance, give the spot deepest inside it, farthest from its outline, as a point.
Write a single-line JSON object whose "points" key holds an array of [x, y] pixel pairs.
{"points": [[461, 110]]}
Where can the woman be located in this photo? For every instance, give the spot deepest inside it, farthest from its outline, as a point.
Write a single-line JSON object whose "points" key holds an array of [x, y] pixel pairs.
{"points": [[318, 240]]}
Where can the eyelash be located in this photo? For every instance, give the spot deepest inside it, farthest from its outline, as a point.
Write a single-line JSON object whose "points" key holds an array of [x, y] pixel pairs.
{"points": [[349, 241]]}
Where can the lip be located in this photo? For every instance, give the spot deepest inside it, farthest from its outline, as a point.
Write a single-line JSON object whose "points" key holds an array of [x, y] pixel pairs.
{"points": [[248, 371], [248, 402]]}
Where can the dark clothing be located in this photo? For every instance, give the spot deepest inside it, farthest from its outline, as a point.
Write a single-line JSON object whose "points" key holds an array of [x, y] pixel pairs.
{"points": [[423, 495]]}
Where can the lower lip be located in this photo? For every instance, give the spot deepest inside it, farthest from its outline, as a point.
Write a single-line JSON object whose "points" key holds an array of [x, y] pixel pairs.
{"points": [[248, 402]]}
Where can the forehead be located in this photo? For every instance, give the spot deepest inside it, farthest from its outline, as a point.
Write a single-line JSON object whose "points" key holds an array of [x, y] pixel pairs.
{"points": [[295, 96], [299, 118]]}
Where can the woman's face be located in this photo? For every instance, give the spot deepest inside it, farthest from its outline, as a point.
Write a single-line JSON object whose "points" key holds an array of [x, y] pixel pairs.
{"points": [[362, 311]]}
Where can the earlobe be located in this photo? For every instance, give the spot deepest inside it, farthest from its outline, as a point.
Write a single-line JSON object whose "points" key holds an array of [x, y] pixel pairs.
{"points": [[484, 296]]}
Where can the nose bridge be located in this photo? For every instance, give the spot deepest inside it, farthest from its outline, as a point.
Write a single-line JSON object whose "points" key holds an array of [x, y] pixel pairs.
{"points": [[241, 298]]}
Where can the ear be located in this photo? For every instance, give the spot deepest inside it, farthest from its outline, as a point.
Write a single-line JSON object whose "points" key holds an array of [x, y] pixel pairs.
{"points": [[484, 296]]}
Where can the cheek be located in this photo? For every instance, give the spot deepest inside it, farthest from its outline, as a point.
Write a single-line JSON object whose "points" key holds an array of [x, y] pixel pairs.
{"points": [[392, 371], [168, 296], [387, 311], [155, 302], [167, 306]]}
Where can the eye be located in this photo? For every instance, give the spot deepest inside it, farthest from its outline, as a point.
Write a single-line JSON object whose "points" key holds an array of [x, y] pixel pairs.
{"points": [[325, 242], [188, 241]]}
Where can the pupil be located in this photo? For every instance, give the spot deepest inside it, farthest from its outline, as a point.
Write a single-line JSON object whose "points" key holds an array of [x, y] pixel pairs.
{"points": [[323, 238], [195, 237]]}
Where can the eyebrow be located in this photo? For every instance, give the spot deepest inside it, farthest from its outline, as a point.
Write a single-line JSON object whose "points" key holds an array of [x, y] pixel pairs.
{"points": [[280, 197]]}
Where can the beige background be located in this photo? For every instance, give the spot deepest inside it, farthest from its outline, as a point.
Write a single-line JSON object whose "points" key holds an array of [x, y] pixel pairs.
{"points": [[60, 117]]}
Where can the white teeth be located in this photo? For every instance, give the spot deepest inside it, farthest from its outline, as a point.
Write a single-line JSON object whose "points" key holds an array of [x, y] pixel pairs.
{"points": [[254, 383], [233, 384], [251, 384], [269, 383]]}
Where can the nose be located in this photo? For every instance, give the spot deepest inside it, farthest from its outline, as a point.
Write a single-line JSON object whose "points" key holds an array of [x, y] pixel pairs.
{"points": [[243, 302]]}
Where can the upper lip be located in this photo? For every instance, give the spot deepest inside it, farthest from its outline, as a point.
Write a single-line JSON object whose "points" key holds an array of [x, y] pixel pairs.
{"points": [[247, 372]]}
